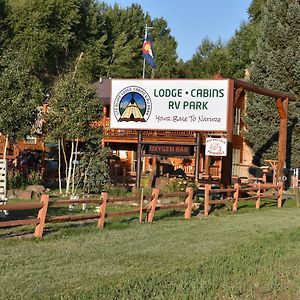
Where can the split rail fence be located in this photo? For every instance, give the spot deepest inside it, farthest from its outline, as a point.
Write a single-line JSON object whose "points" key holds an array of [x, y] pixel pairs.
{"points": [[233, 195], [150, 209]]}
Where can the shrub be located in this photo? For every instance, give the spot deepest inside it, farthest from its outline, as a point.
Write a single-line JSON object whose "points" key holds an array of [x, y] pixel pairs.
{"points": [[178, 184], [17, 179]]}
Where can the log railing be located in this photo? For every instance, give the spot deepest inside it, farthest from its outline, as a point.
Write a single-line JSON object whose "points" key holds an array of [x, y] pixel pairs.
{"points": [[102, 215], [234, 195]]}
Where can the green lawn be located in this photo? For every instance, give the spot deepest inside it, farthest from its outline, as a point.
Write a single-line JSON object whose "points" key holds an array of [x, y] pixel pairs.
{"points": [[254, 254]]}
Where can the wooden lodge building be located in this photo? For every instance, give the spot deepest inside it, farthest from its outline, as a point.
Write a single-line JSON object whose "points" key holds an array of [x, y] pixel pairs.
{"points": [[180, 150], [176, 147], [186, 149]]}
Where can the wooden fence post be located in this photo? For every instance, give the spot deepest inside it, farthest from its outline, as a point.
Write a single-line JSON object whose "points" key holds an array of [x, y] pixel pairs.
{"points": [[141, 205], [189, 203], [206, 199], [102, 210], [280, 193], [39, 229], [297, 196], [152, 205], [257, 203], [236, 196]]}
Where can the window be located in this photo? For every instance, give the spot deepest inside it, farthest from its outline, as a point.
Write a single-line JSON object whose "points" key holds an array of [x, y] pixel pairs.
{"points": [[31, 140], [236, 124], [236, 156]]}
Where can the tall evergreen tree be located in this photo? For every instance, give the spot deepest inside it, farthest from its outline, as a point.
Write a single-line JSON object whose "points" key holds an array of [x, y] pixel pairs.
{"points": [[209, 59], [228, 58], [241, 49], [164, 50], [125, 29], [276, 66]]}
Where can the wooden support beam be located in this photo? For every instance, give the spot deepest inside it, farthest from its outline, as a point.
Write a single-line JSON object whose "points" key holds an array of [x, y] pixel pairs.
{"points": [[141, 205], [227, 160], [261, 90], [237, 95], [282, 140], [139, 160], [197, 156], [281, 111]]}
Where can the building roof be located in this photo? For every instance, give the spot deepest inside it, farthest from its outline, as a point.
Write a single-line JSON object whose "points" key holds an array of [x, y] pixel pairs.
{"points": [[103, 90]]}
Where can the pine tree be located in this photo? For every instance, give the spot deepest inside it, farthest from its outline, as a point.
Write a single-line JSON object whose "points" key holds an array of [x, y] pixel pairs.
{"points": [[164, 50], [276, 66], [209, 59]]}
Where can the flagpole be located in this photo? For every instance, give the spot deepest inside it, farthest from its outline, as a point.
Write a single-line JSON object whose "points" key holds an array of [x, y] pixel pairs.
{"points": [[144, 67], [144, 63]]}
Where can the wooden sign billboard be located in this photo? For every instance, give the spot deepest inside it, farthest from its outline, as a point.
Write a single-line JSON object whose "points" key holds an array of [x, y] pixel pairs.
{"points": [[193, 105]]}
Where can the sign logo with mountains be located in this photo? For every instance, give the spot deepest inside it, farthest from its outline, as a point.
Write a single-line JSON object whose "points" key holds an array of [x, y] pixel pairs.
{"points": [[132, 104]]}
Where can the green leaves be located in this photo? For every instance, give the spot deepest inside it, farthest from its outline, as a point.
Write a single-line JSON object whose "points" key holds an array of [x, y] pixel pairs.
{"points": [[18, 99], [276, 66], [72, 109], [210, 58]]}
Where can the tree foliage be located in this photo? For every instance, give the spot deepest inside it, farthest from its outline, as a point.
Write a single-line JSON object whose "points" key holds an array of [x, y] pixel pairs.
{"points": [[92, 174], [40, 42], [20, 93], [73, 108], [276, 66], [209, 59]]}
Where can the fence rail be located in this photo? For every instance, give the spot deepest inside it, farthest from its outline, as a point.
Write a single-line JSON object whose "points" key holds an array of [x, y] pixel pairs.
{"points": [[238, 193], [102, 215]]}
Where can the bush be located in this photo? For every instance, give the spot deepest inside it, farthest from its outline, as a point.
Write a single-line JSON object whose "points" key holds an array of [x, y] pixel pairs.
{"points": [[20, 179], [179, 184]]}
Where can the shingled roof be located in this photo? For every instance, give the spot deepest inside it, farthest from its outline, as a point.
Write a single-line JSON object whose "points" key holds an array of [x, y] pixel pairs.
{"points": [[103, 90]]}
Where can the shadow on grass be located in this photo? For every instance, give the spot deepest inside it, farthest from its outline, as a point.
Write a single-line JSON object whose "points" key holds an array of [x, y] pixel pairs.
{"points": [[123, 223], [246, 207]]}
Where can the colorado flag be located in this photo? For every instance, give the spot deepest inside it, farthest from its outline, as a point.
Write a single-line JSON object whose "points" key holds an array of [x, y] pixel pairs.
{"points": [[147, 50]]}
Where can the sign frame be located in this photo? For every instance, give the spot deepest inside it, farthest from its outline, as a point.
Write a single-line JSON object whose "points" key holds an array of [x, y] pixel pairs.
{"points": [[189, 115]]}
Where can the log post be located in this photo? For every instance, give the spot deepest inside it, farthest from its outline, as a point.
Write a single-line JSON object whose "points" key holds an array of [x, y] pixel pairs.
{"points": [[206, 199], [226, 175], [236, 196], [197, 156], [139, 160], [141, 205], [39, 229], [102, 210], [189, 203], [297, 196], [152, 205], [280, 193], [257, 203], [282, 107]]}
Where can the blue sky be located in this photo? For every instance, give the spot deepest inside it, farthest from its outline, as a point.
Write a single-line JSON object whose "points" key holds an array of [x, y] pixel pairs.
{"points": [[191, 21]]}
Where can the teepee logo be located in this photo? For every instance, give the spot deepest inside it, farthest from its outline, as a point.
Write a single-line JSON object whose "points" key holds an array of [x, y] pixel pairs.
{"points": [[132, 104]]}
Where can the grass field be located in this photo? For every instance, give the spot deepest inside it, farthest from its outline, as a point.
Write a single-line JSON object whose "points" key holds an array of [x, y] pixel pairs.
{"points": [[254, 254]]}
